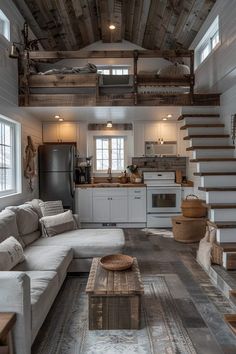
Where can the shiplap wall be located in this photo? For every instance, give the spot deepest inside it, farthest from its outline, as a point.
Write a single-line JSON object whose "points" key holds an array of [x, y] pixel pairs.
{"points": [[9, 100]]}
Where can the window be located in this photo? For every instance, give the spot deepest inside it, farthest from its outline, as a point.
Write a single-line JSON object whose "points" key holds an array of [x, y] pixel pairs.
{"points": [[208, 42], [110, 152], [113, 70], [8, 160], [4, 26]]}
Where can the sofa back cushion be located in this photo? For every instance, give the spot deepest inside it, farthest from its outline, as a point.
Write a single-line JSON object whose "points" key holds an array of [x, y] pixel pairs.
{"points": [[35, 204], [11, 253], [57, 224], [8, 225]]}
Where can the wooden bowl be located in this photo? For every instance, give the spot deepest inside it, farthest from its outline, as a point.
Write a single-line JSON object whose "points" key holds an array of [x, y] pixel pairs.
{"points": [[116, 262]]}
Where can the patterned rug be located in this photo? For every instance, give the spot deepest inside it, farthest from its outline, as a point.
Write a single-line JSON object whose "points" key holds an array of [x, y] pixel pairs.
{"points": [[65, 330]]}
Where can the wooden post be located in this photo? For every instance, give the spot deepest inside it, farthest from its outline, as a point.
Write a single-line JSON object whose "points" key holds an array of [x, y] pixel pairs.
{"points": [[192, 76], [135, 77], [26, 73]]}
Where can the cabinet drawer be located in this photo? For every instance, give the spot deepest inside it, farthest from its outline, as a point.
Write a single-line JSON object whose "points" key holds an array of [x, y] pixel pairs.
{"points": [[137, 191], [109, 192]]}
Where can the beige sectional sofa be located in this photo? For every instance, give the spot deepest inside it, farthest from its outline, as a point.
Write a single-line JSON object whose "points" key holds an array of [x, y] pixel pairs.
{"points": [[30, 288]]}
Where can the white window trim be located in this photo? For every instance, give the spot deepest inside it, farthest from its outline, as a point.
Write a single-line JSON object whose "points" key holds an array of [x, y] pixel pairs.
{"points": [[207, 40], [7, 33], [17, 177], [111, 67]]}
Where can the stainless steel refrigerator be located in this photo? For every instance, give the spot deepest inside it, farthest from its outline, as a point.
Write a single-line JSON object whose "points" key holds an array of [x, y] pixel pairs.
{"points": [[56, 173]]}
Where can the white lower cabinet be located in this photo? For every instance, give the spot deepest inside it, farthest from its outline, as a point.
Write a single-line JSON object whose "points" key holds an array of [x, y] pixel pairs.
{"points": [[111, 205], [84, 204], [137, 204]]}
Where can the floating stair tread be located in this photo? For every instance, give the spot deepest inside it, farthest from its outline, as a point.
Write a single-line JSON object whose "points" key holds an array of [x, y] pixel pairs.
{"points": [[221, 206], [230, 319], [210, 147], [214, 173], [227, 246], [207, 125], [225, 225], [217, 189], [206, 136], [207, 159], [198, 116]]}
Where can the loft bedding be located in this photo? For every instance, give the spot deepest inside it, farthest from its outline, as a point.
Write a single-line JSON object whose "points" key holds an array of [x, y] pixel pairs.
{"points": [[87, 69]]}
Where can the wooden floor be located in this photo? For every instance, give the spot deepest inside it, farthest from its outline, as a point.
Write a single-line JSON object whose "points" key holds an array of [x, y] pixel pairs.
{"points": [[200, 304]]}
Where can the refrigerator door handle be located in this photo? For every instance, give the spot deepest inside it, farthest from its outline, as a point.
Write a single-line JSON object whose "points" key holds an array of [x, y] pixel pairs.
{"points": [[72, 185]]}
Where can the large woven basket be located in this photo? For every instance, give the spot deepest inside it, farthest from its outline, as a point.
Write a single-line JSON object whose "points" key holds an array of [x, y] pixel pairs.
{"points": [[192, 207], [188, 230]]}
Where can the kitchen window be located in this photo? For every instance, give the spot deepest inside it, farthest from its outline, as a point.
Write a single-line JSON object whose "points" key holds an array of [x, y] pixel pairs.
{"points": [[109, 153], [9, 166]]}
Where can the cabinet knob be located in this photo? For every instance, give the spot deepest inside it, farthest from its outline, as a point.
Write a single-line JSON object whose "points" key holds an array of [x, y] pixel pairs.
{"points": [[137, 197]]}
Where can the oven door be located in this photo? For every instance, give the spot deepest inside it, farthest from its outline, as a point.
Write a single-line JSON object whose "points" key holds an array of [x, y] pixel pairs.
{"points": [[163, 199]]}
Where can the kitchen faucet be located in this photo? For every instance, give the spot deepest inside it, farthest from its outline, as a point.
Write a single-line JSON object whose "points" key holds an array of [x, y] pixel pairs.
{"points": [[109, 175]]}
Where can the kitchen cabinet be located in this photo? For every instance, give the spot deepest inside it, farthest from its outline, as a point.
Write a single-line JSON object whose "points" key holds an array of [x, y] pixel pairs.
{"points": [[168, 131], [84, 203], [110, 205], [137, 204], [64, 132]]}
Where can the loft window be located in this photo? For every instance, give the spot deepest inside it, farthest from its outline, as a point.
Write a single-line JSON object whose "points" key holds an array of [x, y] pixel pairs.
{"points": [[208, 42], [113, 70], [4, 26], [109, 152], [9, 161]]}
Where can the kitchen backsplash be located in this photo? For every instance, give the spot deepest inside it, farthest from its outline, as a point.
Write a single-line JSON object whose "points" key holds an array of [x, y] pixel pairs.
{"points": [[168, 163]]}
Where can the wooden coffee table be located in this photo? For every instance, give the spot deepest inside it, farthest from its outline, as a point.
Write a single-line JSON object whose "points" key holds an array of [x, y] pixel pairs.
{"points": [[114, 297]]}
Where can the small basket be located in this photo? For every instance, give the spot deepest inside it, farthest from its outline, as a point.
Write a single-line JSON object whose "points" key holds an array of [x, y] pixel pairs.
{"points": [[116, 262], [192, 207]]}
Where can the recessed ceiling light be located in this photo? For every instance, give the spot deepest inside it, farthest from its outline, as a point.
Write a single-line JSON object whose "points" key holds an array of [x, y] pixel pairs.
{"points": [[57, 116], [60, 119], [112, 27], [169, 115], [109, 124], [164, 118]]}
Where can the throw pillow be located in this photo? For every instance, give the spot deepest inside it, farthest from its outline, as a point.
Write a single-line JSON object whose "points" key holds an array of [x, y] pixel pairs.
{"points": [[11, 253], [35, 204], [8, 226], [51, 207], [57, 224], [26, 218]]}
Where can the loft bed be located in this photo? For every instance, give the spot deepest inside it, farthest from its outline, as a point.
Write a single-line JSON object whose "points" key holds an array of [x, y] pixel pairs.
{"points": [[78, 87]]}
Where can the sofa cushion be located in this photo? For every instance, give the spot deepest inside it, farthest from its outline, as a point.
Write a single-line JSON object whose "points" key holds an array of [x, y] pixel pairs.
{"points": [[57, 224], [11, 253], [53, 207], [88, 243], [8, 225], [44, 287], [35, 204], [31, 237], [46, 258], [26, 218]]}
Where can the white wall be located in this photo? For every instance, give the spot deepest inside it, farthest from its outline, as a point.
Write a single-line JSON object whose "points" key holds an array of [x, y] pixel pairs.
{"points": [[9, 100]]}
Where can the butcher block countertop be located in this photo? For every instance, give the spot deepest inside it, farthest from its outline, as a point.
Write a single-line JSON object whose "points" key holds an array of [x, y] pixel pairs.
{"points": [[110, 185]]}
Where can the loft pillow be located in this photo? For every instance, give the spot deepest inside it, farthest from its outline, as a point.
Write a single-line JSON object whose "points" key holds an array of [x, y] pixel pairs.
{"points": [[57, 224], [53, 207], [11, 253]]}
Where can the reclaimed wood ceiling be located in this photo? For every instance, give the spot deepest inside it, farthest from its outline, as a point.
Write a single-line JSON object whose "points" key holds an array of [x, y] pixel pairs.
{"points": [[152, 24]]}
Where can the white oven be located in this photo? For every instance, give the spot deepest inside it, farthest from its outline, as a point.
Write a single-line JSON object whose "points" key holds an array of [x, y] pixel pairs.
{"points": [[163, 198]]}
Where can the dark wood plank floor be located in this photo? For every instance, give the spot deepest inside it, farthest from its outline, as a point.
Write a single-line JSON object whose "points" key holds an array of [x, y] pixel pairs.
{"points": [[200, 304]]}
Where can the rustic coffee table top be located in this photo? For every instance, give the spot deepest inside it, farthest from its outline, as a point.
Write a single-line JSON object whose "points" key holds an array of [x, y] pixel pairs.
{"points": [[107, 282]]}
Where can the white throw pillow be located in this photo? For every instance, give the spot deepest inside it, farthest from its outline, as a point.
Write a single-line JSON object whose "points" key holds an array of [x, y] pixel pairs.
{"points": [[57, 224], [11, 253], [53, 207]]}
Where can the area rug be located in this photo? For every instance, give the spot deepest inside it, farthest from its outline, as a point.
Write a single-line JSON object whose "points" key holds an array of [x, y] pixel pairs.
{"points": [[65, 330], [158, 232]]}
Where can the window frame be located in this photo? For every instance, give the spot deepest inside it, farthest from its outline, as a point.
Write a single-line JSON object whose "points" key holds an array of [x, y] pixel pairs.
{"points": [[109, 137], [112, 68], [6, 32], [15, 158]]}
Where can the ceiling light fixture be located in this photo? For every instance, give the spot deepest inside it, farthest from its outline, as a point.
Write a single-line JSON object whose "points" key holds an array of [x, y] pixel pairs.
{"points": [[169, 116], [112, 27], [109, 124], [164, 118], [60, 119], [57, 116]]}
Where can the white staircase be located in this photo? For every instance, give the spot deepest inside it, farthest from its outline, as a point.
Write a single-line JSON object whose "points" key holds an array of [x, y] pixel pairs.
{"points": [[213, 155]]}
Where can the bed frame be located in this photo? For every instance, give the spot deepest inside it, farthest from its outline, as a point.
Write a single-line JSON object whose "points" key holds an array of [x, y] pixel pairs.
{"points": [[37, 90]]}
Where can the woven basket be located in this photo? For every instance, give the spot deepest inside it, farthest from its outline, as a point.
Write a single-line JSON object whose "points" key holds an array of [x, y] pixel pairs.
{"points": [[116, 262], [192, 207], [188, 230]]}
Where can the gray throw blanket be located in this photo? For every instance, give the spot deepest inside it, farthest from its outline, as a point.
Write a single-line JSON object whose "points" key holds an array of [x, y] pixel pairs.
{"points": [[87, 69]]}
